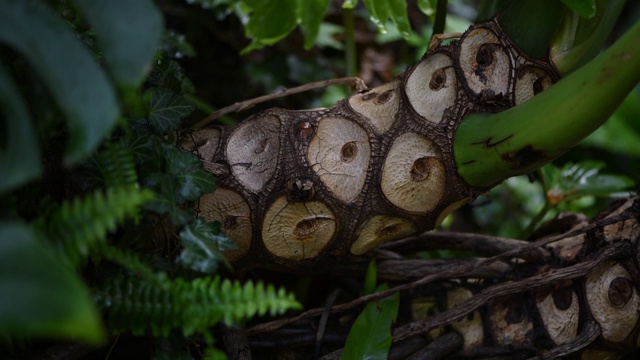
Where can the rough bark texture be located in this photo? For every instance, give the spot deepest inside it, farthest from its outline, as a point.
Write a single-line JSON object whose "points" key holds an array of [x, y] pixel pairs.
{"points": [[301, 189], [579, 300]]}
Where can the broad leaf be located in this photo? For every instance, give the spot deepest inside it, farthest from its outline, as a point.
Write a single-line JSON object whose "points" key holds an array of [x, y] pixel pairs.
{"points": [[380, 11], [166, 109], [39, 296], [585, 8], [20, 162], [370, 335], [203, 246], [621, 133], [128, 34], [75, 80], [311, 13], [270, 21]]}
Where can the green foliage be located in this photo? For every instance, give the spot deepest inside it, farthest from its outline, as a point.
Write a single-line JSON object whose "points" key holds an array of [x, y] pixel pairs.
{"points": [[29, 274], [128, 61], [166, 109], [621, 133], [75, 80], [380, 11], [123, 180], [575, 181], [519, 206], [20, 136], [586, 8], [192, 306], [80, 225], [203, 245], [370, 335]]}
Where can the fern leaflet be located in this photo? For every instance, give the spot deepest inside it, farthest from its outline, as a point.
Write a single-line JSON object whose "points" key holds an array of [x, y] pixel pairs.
{"points": [[192, 306], [80, 225]]}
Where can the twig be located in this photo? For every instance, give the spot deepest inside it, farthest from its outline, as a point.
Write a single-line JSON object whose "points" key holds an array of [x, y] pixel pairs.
{"points": [[589, 334], [500, 290], [455, 273], [354, 82], [483, 244]]}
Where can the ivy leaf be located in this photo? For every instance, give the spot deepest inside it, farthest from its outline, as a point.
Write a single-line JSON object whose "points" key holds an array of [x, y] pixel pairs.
{"points": [[127, 57], [74, 78], [166, 187], [381, 11], [203, 246], [370, 335], [20, 162], [193, 180], [41, 297], [574, 181], [584, 8], [166, 109]]}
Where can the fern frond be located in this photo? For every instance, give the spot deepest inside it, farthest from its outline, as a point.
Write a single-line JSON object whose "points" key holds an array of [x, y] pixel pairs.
{"points": [[83, 223], [118, 166], [192, 306], [138, 305], [132, 262]]}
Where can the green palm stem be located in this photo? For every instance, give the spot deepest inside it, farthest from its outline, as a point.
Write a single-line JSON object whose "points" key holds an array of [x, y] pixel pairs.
{"points": [[489, 148]]}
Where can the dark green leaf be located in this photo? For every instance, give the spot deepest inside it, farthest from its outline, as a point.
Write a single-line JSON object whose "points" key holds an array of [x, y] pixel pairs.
{"points": [[75, 80], [39, 296], [585, 8], [312, 12], [370, 335], [115, 22], [270, 21], [203, 245], [193, 180], [621, 133], [370, 278], [20, 162], [380, 11], [166, 109], [167, 187]]}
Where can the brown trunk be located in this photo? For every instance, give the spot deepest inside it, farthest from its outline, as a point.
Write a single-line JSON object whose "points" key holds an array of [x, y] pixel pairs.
{"points": [[303, 189]]}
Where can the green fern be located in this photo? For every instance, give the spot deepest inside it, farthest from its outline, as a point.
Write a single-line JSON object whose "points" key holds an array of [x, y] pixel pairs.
{"points": [[117, 165], [192, 306], [80, 225]]}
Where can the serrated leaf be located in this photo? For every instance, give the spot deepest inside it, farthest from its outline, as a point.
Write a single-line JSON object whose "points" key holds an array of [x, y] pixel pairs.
{"points": [[166, 109], [41, 297], [128, 57], [312, 13], [584, 8], [380, 11], [75, 80], [370, 335], [20, 162], [203, 245]]}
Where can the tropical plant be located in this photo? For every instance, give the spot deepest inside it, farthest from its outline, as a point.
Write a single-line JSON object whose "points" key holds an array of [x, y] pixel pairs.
{"points": [[100, 227]]}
